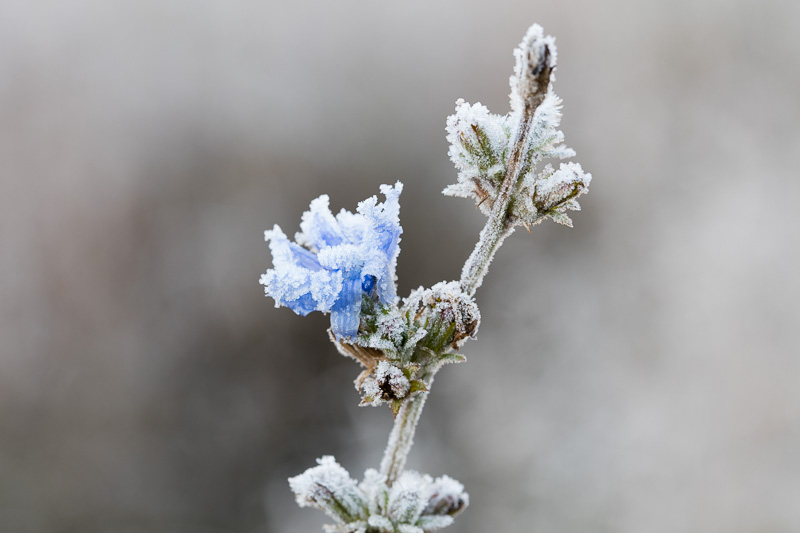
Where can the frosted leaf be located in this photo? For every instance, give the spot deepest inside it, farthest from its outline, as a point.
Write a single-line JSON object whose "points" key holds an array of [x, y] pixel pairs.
{"points": [[447, 498], [408, 497], [562, 218], [358, 526], [479, 149], [493, 152], [337, 260], [550, 194], [415, 502], [391, 332], [380, 522], [434, 523], [375, 490], [330, 488]]}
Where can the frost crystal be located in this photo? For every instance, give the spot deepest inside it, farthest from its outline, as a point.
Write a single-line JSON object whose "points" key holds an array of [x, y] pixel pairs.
{"points": [[447, 311], [479, 149], [329, 487], [345, 265], [535, 56], [488, 150], [389, 383], [336, 261], [414, 503]]}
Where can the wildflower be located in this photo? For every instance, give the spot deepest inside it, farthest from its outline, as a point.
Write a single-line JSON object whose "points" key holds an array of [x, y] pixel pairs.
{"points": [[335, 261]]}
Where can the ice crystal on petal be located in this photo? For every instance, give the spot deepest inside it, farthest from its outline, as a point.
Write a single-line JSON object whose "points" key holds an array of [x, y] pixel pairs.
{"points": [[337, 259]]}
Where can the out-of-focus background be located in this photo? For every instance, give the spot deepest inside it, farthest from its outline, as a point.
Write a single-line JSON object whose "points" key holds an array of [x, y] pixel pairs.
{"points": [[638, 373]]}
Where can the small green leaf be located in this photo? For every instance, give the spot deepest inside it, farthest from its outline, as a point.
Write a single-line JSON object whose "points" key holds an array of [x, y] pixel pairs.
{"points": [[417, 386], [409, 370], [453, 358], [396, 405]]}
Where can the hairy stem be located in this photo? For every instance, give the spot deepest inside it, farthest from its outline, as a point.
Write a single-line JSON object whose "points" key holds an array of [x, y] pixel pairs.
{"points": [[402, 436], [498, 227]]}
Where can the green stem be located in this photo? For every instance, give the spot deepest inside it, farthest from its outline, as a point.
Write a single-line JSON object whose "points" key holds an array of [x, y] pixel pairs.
{"points": [[498, 226], [402, 436]]}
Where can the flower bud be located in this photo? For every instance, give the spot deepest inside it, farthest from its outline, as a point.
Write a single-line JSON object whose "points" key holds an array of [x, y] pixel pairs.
{"points": [[450, 315]]}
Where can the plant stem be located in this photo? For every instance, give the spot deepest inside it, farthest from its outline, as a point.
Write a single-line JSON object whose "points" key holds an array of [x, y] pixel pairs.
{"points": [[498, 227], [402, 436]]}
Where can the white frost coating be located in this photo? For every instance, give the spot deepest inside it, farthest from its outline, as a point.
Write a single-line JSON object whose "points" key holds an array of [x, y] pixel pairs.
{"points": [[447, 498], [434, 523], [376, 491], [479, 149], [414, 503], [338, 260], [393, 378], [388, 383], [294, 283], [330, 488], [534, 53], [447, 304], [553, 188], [409, 496], [483, 167], [551, 193]]}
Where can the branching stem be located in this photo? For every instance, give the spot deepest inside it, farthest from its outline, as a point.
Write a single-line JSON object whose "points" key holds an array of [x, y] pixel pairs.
{"points": [[498, 227]]}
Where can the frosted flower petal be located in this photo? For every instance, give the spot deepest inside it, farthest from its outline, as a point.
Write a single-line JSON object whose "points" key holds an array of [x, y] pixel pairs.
{"points": [[337, 259]]}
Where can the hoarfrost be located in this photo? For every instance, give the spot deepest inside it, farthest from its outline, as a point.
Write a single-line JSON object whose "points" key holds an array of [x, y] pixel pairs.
{"points": [[330, 488], [388, 383], [534, 54], [449, 308], [337, 260]]}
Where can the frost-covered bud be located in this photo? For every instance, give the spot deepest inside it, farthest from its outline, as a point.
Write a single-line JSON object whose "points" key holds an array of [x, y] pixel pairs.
{"points": [[408, 497], [376, 491], [568, 182], [330, 488], [389, 383], [551, 193], [448, 497], [535, 61], [451, 315]]}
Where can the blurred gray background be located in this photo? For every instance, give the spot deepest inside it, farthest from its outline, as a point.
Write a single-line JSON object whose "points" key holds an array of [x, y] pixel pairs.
{"points": [[638, 373]]}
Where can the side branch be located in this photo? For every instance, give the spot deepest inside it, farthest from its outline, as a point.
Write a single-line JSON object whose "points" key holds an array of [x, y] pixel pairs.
{"points": [[498, 227]]}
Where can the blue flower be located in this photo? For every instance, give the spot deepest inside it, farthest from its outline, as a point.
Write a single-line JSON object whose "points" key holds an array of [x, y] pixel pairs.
{"points": [[335, 260]]}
